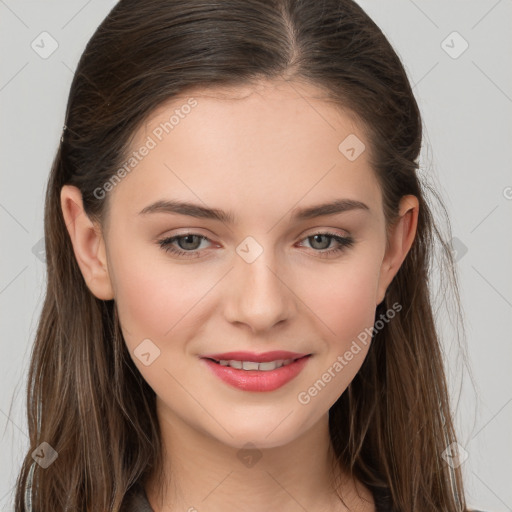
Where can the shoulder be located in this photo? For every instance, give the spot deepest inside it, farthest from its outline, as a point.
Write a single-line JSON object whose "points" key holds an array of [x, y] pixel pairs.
{"points": [[383, 502]]}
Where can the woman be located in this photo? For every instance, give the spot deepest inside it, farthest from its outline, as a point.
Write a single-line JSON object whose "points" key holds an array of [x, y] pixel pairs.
{"points": [[238, 247]]}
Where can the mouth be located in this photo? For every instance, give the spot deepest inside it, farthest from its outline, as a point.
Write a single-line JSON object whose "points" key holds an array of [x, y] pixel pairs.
{"points": [[265, 366], [256, 372]]}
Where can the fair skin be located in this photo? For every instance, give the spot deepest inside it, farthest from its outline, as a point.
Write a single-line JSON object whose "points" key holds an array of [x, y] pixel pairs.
{"points": [[261, 153]]}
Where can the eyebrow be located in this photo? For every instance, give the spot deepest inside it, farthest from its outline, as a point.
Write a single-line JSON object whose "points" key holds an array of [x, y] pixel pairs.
{"points": [[195, 210]]}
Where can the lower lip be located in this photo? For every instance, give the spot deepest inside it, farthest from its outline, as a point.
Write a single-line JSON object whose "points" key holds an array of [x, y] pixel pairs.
{"points": [[255, 380]]}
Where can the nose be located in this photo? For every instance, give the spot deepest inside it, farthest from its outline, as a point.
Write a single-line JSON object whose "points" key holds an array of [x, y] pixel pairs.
{"points": [[257, 294]]}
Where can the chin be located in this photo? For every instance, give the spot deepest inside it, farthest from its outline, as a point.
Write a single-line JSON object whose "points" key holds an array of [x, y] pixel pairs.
{"points": [[262, 435]]}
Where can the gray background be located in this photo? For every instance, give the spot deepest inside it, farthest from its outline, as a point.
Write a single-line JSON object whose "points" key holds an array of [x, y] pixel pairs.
{"points": [[466, 102]]}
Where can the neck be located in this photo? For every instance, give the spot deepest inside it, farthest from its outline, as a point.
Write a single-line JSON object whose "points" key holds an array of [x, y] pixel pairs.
{"points": [[205, 474]]}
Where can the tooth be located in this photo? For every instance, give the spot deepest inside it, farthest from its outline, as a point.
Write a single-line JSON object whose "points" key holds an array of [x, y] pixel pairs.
{"points": [[250, 365], [271, 365]]}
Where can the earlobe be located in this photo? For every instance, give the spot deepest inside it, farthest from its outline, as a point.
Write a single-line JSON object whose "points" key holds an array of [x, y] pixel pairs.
{"points": [[88, 244], [400, 242]]}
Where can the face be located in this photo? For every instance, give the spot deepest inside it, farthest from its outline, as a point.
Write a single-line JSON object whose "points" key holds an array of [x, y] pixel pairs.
{"points": [[262, 278]]}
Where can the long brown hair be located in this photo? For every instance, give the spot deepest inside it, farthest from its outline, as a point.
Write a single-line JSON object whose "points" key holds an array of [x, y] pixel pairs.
{"points": [[85, 397]]}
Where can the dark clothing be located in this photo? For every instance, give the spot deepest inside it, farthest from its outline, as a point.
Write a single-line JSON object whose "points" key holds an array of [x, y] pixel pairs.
{"points": [[136, 501]]}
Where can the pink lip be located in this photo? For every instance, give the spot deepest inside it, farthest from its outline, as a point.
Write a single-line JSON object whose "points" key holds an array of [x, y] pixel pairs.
{"points": [[254, 380]]}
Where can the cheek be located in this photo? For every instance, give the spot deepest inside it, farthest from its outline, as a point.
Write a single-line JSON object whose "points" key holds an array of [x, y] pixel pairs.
{"points": [[155, 300], [343, 299], [157, 303]]}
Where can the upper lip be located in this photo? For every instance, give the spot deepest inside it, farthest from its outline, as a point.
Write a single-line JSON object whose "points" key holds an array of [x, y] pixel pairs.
{"points": [[264, 357]]}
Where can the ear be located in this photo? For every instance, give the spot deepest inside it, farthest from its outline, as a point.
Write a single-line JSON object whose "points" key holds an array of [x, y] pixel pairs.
{"points": [[88, 243], [400, 241]]}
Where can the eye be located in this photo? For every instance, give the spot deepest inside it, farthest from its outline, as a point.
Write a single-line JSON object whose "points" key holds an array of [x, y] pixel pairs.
{"points": [[319, 239], [189, 244], [187, 241]]}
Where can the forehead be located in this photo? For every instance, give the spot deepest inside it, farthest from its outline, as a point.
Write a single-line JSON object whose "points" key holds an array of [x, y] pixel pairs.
{"points": [[299, 100], [248, 145]]}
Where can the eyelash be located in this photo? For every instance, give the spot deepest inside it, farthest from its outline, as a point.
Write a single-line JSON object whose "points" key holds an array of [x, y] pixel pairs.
{"points": [[344, 243]]}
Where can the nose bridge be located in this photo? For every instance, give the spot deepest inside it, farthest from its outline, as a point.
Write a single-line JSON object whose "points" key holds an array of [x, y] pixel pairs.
{"points": [[257, 295]]}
